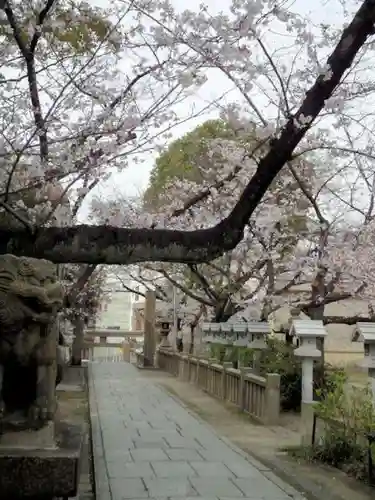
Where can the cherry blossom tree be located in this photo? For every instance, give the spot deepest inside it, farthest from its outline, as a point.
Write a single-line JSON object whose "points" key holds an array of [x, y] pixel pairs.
{"points": [[188, 44], [71, 105], [84, 303]]}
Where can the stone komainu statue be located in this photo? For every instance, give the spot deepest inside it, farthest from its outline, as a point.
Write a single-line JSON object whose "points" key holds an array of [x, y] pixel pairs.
{"points": [[30, 298]]}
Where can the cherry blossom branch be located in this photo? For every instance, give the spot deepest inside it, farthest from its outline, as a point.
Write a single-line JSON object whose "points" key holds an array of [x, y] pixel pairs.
{"points": [[82, 280], [132, 290], [351, 320], [204, 283], [290, 283], [242, 280], [16, 215], [273, 65], [308, 195], [38, 31], [160, 293], [353, 151], [28, 54], [17, 32], [105, 244], [205, 193], [183, 289], [329, 299]]}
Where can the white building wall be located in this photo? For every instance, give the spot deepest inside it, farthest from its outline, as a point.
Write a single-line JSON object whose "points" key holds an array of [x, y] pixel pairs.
{"points": [[116, 311], [115, 314]]}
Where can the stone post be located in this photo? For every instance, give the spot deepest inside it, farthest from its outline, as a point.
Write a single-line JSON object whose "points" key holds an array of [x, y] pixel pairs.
{"points": [[126, 351], [226, 365], [181, 367], [149, 329], [272, 414], [198, 371], [186, 338], [211, 361], [243, 372], [188, 368]]}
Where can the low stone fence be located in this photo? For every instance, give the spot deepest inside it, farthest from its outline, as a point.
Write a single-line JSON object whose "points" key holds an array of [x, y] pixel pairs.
{"points": [[255, 395]]}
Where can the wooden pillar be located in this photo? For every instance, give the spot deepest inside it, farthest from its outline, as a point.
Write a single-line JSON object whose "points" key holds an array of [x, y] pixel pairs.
{"points": [[149, 329]]}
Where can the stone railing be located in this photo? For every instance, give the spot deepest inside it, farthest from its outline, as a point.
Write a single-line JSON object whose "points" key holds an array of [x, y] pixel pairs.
{"points": [[255, 395]]}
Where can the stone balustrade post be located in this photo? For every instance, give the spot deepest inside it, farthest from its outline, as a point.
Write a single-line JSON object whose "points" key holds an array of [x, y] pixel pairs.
{"points": [[209, 386], [272, 399], [241, 392], [226, 365]]}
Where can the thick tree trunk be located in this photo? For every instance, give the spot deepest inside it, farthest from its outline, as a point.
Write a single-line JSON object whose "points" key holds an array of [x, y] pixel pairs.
{"points": [[77, 347], [111, 245]]}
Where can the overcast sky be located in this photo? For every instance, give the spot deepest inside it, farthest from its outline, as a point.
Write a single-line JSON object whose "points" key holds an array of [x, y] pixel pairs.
{"points": [[135, 178]]}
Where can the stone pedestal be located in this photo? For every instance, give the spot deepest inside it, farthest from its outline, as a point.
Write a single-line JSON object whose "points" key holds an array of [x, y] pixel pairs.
{"points": [[28, 439], [37, 467]]}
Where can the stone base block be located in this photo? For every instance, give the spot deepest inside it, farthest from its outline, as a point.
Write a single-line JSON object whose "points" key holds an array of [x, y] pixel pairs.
{"points": [[29, 439], [45, 473]]}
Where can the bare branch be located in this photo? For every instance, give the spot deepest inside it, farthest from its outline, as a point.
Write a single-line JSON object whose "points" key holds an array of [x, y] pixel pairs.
{"points": [[41, 18], [184, 289], [204, 283], [17, 32], [17, 216], [80, 284]]}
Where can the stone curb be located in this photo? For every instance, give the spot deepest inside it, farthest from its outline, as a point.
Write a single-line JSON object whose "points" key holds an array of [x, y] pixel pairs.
{"points": [[101, 483]]}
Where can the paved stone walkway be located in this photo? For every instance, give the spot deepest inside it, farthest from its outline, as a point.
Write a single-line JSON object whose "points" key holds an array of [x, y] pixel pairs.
{"points": [[147, 445]]}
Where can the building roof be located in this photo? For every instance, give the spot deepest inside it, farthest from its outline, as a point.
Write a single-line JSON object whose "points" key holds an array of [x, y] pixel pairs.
{"points": [[364, 332]]}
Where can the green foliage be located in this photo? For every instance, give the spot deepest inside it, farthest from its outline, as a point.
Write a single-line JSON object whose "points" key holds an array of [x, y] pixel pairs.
{"points": [[279, 358], [232, 354], [84, 34], [218, 352], [181, 159], [348, 414], [72, 25]]}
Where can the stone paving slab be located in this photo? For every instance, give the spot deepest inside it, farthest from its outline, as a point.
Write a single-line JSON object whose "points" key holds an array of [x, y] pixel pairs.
{"points": [[147, 445]]}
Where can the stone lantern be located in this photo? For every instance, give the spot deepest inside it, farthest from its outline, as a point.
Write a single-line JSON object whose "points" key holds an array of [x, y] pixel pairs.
{"points": [[365, 332], [164, 326], [211, 332], [307, 332], [226, 336], [259, 331], [164, 330], [241, 333]]}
